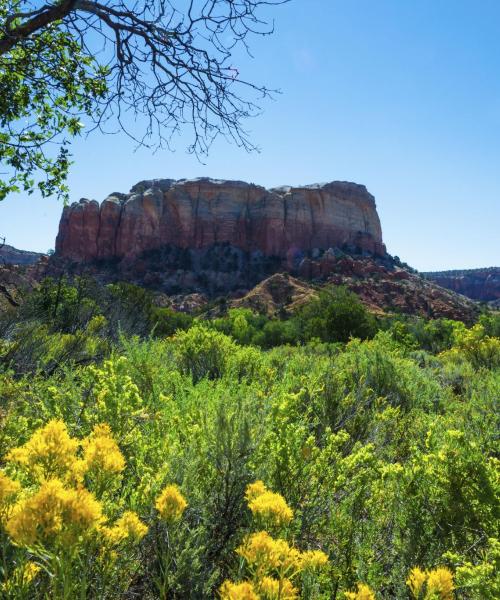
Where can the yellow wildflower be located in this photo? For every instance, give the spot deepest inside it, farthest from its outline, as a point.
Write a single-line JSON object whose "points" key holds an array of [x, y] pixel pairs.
{"points": [[416, 580], [271, 507], [259, 548], [254, 490], [313, 559], [267, 553], [21, 578], [363, 593], [238, 591], [440, 582], [53, 512], [128, 527], [101, 453], [272, 589], [30, 571], [171, 504], [50, 452], [8, 489]]}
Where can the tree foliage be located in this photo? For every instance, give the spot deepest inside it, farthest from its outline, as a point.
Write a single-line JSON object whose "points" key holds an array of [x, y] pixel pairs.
{"points": [[66, 62]]}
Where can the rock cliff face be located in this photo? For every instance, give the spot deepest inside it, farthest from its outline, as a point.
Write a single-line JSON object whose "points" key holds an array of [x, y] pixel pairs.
{"points": [[478, 284], [286, 222]]}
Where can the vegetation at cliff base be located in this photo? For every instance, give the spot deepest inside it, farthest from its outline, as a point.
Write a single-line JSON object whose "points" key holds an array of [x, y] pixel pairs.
{"points": [[325, 455]]}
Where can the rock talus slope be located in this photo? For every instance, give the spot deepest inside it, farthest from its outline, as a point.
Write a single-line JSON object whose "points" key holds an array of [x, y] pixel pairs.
{"points": [[281, 222]]}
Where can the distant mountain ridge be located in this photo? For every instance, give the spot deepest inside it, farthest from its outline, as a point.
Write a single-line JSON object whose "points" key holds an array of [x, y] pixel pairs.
{"points": [[13, 256], [479, 284]]}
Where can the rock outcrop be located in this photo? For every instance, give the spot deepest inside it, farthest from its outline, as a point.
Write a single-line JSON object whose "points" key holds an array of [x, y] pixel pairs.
{"points": [[478, 284], [285, 222]]}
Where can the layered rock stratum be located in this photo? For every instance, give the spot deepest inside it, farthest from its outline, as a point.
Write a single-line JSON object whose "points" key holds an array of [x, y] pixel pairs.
{"points": [[285, 222], [478, 284]]}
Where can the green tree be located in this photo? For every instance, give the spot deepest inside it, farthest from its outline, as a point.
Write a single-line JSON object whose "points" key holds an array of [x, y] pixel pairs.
{"points": [[335, 316], [63, 62]]}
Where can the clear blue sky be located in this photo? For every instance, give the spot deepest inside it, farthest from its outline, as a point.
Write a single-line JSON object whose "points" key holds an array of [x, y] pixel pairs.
{"points": [[402, 96]]}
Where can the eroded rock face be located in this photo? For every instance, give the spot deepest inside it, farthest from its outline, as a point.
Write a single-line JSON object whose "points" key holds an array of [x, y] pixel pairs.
{"points": [[478, 284], [283, 222]]}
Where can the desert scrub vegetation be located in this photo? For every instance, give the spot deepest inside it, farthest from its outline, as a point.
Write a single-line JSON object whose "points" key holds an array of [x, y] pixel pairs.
{"points": [[139, 464]]}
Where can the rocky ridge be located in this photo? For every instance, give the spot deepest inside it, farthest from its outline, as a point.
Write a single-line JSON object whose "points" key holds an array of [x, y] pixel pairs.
{"points": [[478, 284], [12, 256], [383, 288]]}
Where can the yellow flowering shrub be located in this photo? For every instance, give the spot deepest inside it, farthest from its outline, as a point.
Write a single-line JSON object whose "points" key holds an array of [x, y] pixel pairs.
{"points": [[254, 490], [269, 507], [416, 581], [276, 589], [117, 398], [273, 562], [431, 585], [49, 453], [53, 512], [313, 559], [266, 554], [8, 489], [101, 453], [128, 528], [362, 593], [440, 584], [171, 504], [60, 510], [238, 591], [475, 346]]}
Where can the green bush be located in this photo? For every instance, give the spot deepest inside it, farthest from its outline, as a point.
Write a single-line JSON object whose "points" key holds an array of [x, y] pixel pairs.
{"points": [[336, 316], [385, 449]]}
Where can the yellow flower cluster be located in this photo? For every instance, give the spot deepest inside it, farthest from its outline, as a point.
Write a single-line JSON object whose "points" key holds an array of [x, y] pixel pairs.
{"points": [[266, 553], [362, 593], [255, 489], [53, 511], [267, 589], [416, 581], [101, 453], [8, 489], [238, 591], [50, 452], [273, 562], [268, 506], [313, 559], [275, 589], [171, 504], [439, 583], [61, 510], [127, 528], [30, 571], [20, 579]]}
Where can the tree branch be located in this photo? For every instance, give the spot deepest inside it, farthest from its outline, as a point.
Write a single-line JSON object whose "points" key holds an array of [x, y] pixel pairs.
{"points": [[43, 17]]}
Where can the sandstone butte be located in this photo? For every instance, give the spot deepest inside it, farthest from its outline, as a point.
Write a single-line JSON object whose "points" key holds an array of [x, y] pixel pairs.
{"points": [[280, 222]]}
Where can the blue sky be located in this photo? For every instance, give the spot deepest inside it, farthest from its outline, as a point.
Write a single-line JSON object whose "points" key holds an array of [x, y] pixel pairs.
{"points": [[402, 96]]}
